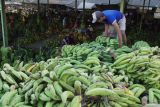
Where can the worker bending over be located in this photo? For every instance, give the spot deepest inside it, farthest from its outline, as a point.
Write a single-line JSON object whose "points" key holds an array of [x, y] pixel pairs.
{"points": [[115, 18]]}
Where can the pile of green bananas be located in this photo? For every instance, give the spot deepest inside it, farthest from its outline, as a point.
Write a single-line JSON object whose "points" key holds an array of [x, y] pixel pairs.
{"points": [[12, 99], [139, 44], [137, 89], [141, 66], [10, 78], [107, 41], [65, 82], [81, 52], [154, 95], [122, 50]]}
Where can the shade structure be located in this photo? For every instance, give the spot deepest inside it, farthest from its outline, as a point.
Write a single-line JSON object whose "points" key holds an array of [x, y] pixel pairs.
{"points": [[87, 5], [150, 3]]}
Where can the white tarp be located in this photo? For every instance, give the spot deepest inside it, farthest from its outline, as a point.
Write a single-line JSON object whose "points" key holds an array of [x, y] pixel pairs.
{"points": [[61, 2], [12, 3], [87, 5], [153, 3], [96, 2], [67, 2]]}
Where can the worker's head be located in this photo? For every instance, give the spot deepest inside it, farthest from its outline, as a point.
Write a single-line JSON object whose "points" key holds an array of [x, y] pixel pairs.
{"points": [[98, 16]]}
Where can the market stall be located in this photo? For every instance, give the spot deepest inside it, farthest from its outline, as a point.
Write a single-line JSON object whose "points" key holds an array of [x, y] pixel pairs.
{"points": [[69, 67]]}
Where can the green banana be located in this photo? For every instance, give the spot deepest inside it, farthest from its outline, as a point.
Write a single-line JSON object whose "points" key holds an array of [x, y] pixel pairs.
{"points": [[66, 86], [151, 96], [98, 84], [49, 104], [47, 79], [44, 97], [33, 99], [38, 90], [50, 92], [1, 84], [27, 95], [53, 76], [77, 86], [62, 68], [17, 99], [52, 65], [3, 74], [76, 102], [24, 76], [36, 83], [57, 88], [65, 95], [16, 74], [19, 104], [8, 96], [64, 76], [139, 92], [10, 80], [40, 104], [101, 92], [5, 87], [28, 86], [84, 80], [114, 104]]}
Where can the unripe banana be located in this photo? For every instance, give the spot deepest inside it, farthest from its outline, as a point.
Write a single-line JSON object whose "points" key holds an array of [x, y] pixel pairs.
{"points": [[65, 95], [50, 92], [77, 86], [101, 92], [44, 97], [76, 102]]}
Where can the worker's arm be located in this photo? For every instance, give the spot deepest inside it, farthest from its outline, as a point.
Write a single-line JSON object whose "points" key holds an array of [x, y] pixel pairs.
{"points": [[106, 30], [115, 24]]}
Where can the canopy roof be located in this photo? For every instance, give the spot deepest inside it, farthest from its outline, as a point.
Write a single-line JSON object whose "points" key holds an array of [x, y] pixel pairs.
{"points": [[71, 3]]}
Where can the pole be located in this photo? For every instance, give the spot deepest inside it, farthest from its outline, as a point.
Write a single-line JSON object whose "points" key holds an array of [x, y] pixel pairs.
{"points": [[76, 5], [84, 5], [38, 9], [82, 23], [122, 6], [149, 4], [141, 22], [3, 21]]}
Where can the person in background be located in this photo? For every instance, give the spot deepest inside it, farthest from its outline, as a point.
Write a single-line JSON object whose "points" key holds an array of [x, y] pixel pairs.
{"points": [[114, 18]]}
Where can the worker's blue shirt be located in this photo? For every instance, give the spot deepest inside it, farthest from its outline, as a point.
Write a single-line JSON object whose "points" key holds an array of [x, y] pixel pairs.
{"points": [[112, 16]]}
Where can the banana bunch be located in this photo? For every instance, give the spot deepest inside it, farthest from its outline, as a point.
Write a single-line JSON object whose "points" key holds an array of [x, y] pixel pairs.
{"points": [[123, 50], [12, 99], [85, 50], [102, 40], [139, 44], [122, 61], [140, 66], [113, 43], [105, 97], [107, 41], [10, 78], [154, 95], [77, 52], [137, 89], [61, 86]]}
